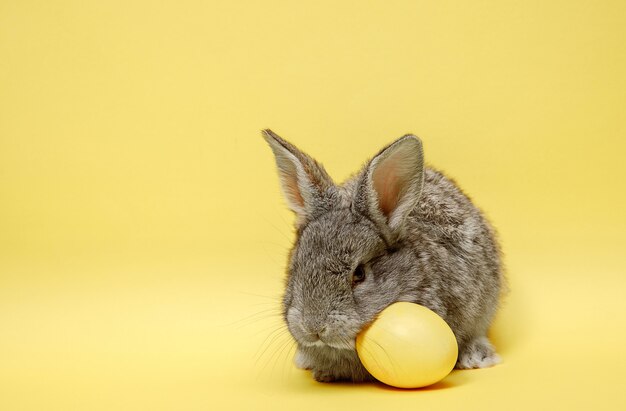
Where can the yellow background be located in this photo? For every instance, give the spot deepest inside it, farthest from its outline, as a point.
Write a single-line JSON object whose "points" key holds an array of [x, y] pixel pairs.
{"points": [[142, 233]]}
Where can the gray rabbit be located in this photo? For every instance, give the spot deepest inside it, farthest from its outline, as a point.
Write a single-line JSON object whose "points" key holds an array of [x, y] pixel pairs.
{"points": [[395, 231]]}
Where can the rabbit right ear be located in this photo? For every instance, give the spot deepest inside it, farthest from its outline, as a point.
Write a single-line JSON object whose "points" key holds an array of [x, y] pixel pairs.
{"points": [[305, 184]]}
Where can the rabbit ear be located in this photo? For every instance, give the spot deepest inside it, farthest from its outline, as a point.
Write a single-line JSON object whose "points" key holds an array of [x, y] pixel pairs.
{"points": [[307, 187], [391, 184]]}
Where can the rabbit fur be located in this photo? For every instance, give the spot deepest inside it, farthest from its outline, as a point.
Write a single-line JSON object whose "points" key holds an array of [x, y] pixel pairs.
{"points": [[395, 231]]}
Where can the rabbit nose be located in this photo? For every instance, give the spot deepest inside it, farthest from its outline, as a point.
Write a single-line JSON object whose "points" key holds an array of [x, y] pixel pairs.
{"points": [[316, 331], [320, 333]]}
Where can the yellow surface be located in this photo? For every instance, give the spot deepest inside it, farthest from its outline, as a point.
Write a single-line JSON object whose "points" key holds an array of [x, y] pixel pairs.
{"points": [[142, 233], [408, 346]]}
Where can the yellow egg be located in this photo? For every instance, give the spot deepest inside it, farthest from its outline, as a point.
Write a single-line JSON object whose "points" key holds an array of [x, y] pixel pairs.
{"points": [[407, 346]]}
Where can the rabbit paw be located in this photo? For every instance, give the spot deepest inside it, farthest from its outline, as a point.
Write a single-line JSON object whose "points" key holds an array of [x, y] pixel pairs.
{"points": [[302, 361], [478, 353], [323, 376]]}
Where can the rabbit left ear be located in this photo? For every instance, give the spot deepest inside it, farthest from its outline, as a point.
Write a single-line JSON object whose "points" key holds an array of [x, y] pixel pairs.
{"points": [[391, 183], [307, 187]]}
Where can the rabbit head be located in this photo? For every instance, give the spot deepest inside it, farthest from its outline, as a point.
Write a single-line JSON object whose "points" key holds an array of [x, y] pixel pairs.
{"points": [[348, 262]]}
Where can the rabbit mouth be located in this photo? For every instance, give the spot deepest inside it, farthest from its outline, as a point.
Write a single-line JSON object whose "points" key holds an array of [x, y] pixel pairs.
{"points": [[340, 345], [316, 343]]}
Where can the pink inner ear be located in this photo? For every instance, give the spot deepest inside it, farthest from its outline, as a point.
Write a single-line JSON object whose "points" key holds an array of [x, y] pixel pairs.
{"points": [[388, 185], [292, 190]]}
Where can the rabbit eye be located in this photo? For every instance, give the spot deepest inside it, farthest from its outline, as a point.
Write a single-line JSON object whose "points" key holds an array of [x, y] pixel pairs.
{"points": [[359, 275]]}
